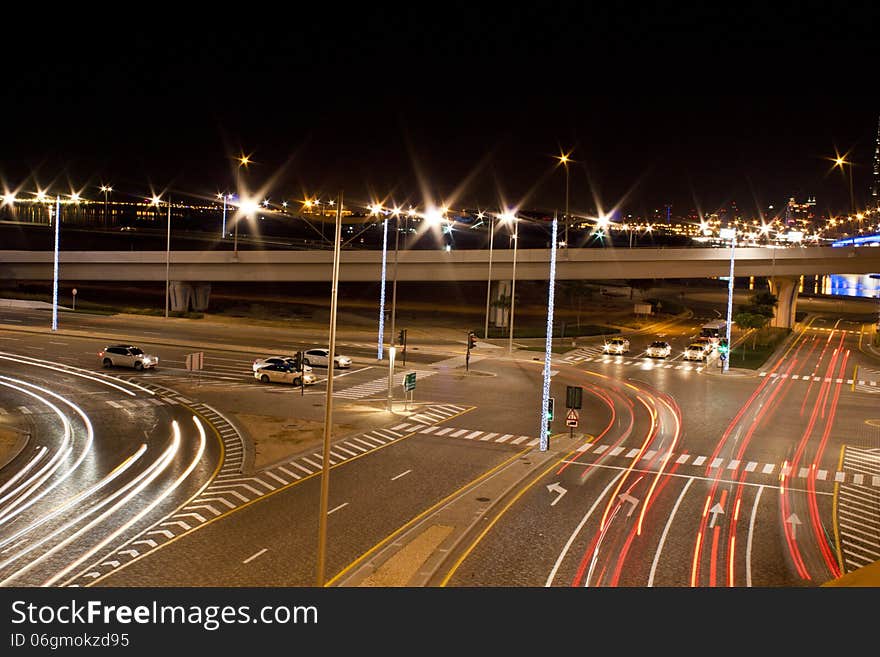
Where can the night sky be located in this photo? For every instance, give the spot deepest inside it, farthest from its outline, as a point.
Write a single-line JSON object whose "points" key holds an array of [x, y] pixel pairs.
{"points": [[663, 104]]}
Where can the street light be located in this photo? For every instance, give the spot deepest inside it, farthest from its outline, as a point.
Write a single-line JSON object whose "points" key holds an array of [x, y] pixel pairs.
{"points": [[564, 160], [510, 216], [155, 201], [396, 214], [729, 233], [55, 261], [328, 407], [480, 215], [840, 161], [225, 198], [376, 210], [106, 189]]}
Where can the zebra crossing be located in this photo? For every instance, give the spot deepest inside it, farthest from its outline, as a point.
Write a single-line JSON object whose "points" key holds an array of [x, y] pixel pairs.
{"points": [[596, 355], [379, 386], [232, 488], [860, 384], [859, 509]]}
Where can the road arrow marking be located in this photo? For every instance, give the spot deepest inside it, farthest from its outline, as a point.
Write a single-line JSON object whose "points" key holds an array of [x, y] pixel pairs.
{"points": [[556, 488], [146, 541], [625, 497], [92, 574], [794, 521], [133, 553], [112, 564], [715, 510]]}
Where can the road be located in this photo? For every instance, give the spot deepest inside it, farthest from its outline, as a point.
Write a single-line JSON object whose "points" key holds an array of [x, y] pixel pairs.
{"points": [[677, 475], [770, 480]]}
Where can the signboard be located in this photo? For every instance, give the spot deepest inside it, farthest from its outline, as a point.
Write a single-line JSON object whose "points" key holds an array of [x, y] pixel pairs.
{"points": [[571, 420], [643, 309], [409, 381], [573, 396], [195, 361]]}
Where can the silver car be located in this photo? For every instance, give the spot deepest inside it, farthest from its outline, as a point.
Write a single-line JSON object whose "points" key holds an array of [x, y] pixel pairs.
{"points": [[321, 358], [285, 374], [126, 355]]}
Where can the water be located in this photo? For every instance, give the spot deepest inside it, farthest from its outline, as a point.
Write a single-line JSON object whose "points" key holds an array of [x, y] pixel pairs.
{"points": [[851, 285]]}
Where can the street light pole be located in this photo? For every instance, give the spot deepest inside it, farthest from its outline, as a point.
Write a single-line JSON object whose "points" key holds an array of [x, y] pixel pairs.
{"points": [[223, 227], [731, 233], [513, 284], [106, 189], [489, 277], [55, 263], [378, 210], [566, 204], [394, 284], [167, 258], [328, 406]]}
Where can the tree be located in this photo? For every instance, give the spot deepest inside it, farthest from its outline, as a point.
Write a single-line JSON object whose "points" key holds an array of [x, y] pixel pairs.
{"points": [[640, 284], [577, 290], [749, 320]]}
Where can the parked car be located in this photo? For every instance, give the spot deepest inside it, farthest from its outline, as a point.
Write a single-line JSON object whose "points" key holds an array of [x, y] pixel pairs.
{"points": [[695, 351], [285, 374], [288, 361], [616, 346], [126, 355], [658, 349], [321, 358]]}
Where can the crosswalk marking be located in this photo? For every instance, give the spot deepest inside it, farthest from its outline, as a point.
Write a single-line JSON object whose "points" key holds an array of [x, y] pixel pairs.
{"points": [[682, 459], [443, 431], [429, 429], [517, 441], [489, 436], [699, 460], [750, 466]]}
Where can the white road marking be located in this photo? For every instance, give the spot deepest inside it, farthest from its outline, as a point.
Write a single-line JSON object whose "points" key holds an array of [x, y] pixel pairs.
{"points": [[749, 539], [402, 474], [768, 468], [344, 504], [254, 556], [489, 436], [699, 460]]}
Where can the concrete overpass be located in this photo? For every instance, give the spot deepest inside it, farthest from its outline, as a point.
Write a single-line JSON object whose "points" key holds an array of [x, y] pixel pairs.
{"points": [[193, 271]]}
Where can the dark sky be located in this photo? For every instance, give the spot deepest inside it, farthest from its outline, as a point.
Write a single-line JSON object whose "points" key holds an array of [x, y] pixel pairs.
{"points": [[666, 102]]}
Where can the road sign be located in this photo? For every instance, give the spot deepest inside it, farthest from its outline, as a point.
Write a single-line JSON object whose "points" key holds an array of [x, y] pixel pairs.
{"points": [[571, 420], [409, 381], [573, 396], [195, 361]]}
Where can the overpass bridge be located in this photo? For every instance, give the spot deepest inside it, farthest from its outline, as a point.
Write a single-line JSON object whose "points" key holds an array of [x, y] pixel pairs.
{"points": [[192, 272]]}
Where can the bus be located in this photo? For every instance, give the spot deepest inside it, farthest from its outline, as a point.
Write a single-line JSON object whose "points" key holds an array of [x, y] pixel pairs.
{"points": [[714, 331]]}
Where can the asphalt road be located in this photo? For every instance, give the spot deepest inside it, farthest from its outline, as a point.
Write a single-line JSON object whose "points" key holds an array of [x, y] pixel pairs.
{"points": [[674, 476], [705, 480]]}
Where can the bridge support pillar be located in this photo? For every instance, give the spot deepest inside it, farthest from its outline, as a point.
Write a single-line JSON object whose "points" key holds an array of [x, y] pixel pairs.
{"points": [[184, 296], [498, 314], [786, 290]]}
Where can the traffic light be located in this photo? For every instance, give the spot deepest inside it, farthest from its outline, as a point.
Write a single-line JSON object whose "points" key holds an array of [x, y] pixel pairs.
{"points": [[401, 336], [472, 340], [297, 361], [723, 347], [550, 409]]}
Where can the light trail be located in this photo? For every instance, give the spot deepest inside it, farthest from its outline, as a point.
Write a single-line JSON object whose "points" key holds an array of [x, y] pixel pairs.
{"points": [[116, 472], [75, 371], [160, 498], [68, 432], [129, 490]]}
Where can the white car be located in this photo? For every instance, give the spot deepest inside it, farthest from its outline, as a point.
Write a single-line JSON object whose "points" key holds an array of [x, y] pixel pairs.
{"points": [[289, 361], [321, 358], [616, 346], [695, 351], [285, 374], [658, 349], [126, 355]]}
